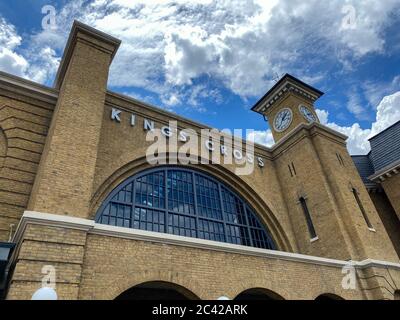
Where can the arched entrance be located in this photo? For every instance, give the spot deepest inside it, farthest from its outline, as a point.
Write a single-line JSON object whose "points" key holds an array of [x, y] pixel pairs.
{"points": [[328, 297], [258, 294], [157, 290]]}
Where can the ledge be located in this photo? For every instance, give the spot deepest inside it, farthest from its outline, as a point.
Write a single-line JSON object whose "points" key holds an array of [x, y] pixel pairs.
{"points": [[92, 227], [27, 88], [386, 172]]}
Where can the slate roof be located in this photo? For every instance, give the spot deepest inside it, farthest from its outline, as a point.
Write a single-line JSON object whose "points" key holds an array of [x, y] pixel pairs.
{"points": [[385, 147], [385, 150]]}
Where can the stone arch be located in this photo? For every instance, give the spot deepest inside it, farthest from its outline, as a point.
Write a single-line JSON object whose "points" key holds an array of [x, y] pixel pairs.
{"points": [[258, 294], [328, 296], [261, 284], [157, 290], [179, 280], [262, 206]]}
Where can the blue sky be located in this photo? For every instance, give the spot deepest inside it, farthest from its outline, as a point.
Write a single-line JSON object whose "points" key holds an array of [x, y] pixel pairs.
{"points": [[211, 60]]}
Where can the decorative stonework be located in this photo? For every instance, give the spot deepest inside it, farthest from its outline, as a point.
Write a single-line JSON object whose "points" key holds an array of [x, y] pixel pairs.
{"points": [[279, 92]]}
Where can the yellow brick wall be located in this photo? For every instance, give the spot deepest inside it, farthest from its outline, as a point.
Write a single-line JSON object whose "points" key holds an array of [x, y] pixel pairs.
{"points": [[392, 189], [388, 217], [112, 265], [64, 249], [68, 161], [24, 123]]}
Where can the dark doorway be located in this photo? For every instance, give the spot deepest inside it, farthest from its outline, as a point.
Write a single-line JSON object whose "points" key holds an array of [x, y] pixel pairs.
{"points": [[157, 290], [258, 294], [328, 297]]}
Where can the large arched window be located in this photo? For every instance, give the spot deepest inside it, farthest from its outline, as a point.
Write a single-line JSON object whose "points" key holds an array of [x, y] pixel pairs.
{"points": [[185, 203]]}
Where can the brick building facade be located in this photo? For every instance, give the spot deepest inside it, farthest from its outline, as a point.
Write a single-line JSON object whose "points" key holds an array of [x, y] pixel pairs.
{"points": [[76, 183]]}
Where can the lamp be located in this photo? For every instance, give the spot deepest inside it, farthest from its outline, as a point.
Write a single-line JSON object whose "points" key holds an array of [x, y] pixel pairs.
{"points": [[45, 293]]}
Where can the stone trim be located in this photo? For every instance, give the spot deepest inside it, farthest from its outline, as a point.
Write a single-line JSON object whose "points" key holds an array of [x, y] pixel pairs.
{"points": [[388, 171], [287, 86], [31, 217], [27, 88]]}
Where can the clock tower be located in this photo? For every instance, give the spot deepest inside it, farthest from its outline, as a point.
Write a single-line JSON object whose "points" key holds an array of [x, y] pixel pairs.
{"points": [[289, 103]]}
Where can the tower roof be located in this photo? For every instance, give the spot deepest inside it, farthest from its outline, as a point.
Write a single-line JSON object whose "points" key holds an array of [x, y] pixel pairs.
{"points": [[285, 84]]}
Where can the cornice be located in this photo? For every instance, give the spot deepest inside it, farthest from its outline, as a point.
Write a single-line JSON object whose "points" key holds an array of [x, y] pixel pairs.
{"points": [[386, 172], [28, 89], [310, 129], [286, 87], [287, 84]]}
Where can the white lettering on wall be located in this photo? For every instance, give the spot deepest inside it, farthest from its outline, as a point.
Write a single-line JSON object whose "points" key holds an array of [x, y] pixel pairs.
{"points": [[115, 114], [189, 135], [148, 125]]}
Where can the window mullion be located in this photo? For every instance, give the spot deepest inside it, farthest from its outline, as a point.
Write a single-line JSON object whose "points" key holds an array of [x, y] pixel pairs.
{"points": [[166, 202], [224, 218], [247, 223], [196, 212], [133, 205]]}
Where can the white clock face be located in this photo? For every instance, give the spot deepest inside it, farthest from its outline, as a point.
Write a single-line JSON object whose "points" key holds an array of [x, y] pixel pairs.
{"points": [[283, 120], [307, 114]]}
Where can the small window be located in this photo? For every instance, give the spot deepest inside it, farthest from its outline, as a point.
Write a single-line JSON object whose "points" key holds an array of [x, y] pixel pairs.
{"points": [[307, 215], [355, 193], [292, 169], [340, 159]]}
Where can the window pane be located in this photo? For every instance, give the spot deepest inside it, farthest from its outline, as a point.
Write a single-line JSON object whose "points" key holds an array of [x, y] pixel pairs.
{"points": [[208, 201], [220, 215], [180, 192], [150, 190]]}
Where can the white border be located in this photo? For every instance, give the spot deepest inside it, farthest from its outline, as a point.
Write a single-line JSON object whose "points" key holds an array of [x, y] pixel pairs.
{"points": [[291, 119]]}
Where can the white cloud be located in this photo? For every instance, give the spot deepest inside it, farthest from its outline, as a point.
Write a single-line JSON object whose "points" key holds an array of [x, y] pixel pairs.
{"points": [[10, 61], [261, 137], [388, 113], [167, 44], [356, 107], [243, 43], [39, 63]]}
